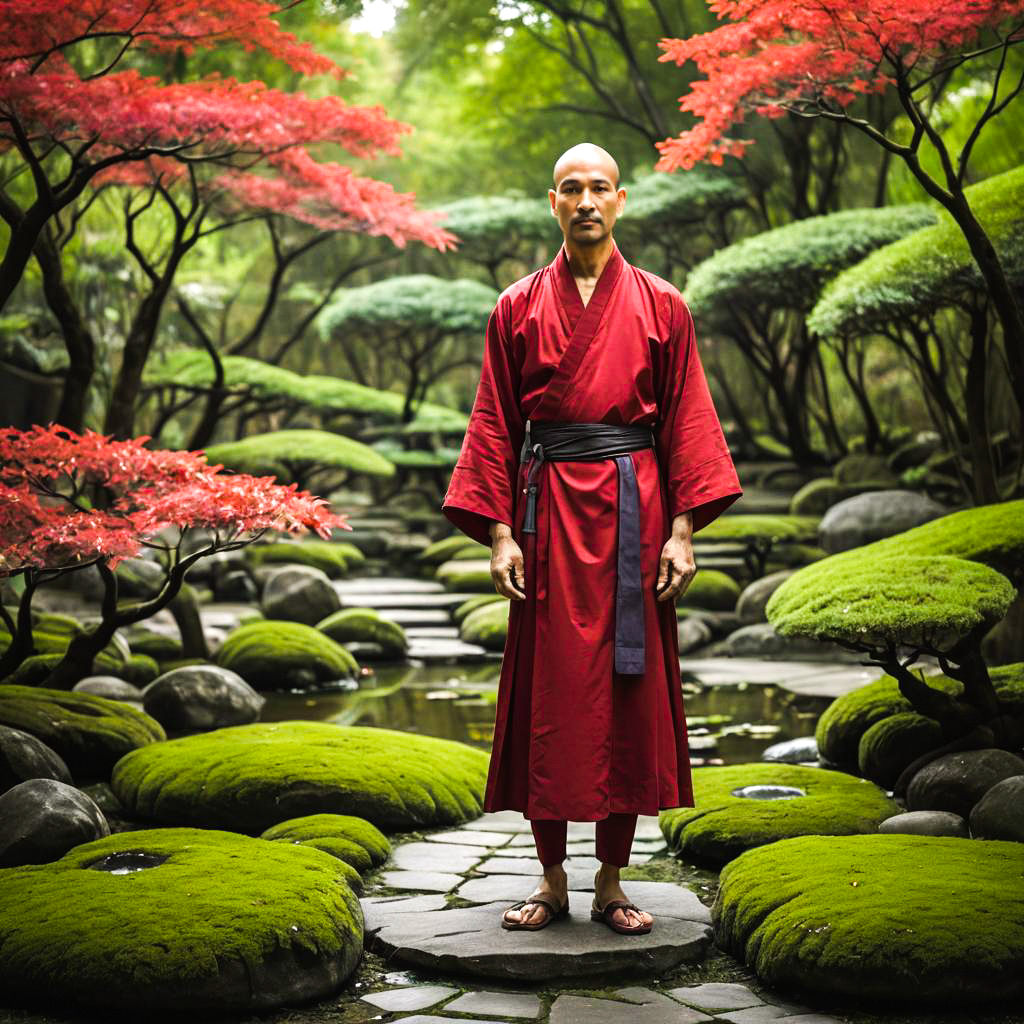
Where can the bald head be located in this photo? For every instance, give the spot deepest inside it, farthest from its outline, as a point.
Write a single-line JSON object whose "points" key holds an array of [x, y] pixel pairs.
{"points": [[586, 156]]}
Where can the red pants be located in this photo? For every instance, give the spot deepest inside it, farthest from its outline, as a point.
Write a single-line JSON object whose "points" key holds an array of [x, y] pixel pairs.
{"points": [[614, 838]]}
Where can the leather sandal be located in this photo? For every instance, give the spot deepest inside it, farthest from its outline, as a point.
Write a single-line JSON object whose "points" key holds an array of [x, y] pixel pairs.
{"points": [[605, 914], [553, 914]]}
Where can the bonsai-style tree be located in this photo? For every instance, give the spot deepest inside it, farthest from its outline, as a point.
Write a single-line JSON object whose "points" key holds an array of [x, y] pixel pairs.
{"points": [[757, 293], [774, 58], [69, 501], [925, 295]]}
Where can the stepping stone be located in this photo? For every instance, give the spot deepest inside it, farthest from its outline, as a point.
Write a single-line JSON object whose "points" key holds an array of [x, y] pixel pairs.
{"points": [[716, 996], [569, 1009], [471, 941], [420, 881], [417, 998], [497, 1004], [445, 857], [484, 839]]}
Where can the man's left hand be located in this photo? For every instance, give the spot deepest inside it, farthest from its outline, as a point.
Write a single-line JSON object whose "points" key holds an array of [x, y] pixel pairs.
{"points": [[676, 568]]}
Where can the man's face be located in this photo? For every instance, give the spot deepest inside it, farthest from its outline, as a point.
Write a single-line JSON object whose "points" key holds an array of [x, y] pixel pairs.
{"points": [[586, 201]]}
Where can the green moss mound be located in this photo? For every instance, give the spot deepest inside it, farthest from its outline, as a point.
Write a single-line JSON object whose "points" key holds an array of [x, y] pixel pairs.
{"points": [[353, 840], [487, 626], [467, 575], [457, 546], [473, 603], [271, 654], [894, 917], [722, 826], [320, 554], [91, 733], [207, 927], [365, 625], [893, 743], [250, 777], [711, 589]]}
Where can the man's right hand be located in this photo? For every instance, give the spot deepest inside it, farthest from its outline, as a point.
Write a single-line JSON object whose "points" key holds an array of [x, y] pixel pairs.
{"points": [[507, 564]]}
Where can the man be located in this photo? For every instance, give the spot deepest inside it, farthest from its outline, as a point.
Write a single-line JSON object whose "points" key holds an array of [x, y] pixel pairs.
{"points": [[593, 453]]}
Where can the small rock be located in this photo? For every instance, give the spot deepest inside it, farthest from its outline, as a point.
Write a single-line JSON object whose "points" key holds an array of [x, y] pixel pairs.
{"points": [[299, 593], [999, 814], [956, 782], [23, 757], [754, 598], [925, 823], [110, 687], [196, 698], [693, 633], [43, 819], [801, 750], [864, 518]]}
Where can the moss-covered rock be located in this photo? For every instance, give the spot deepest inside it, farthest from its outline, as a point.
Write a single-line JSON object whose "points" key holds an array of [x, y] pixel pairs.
{"points": [[271, 654], [320, 554], [219, 921], [468, 575], [893, 743], [250, 777], [457, 546], [873, 917], [723, 825], [90, 733], [486, 626], [364, 625], [353, 840], [711, 589], [473, 603]]}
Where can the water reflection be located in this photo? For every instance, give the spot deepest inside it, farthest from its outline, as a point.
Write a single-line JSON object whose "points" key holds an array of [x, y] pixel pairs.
{"points": [[728, 724]]}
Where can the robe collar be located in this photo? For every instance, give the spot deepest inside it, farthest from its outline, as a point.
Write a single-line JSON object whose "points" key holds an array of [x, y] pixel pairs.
{"points": [[565, 283]]}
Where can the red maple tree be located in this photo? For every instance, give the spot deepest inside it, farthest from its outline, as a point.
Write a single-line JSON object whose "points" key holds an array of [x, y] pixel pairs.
{"points": [[69, 501], [73, 107], [775, 57]]}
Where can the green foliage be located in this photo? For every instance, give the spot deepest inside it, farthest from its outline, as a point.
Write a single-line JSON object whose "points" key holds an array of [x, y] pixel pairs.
{"points": [[90, 733], [291, 454], [487, 625], [929, 269], [353, 840], [869, 917], [713, 590], [161, 937], [418, 302], [789, 265], [365, 625], [321, 554], [722, 825], [271, 654], [250, 777], [872, 603]]}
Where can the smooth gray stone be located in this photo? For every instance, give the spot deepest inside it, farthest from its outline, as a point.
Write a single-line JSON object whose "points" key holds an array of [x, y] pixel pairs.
{"points": [[569, 1009], [751, 604], [43, 819], [110, 687], [755, 1015], [999, 814], [800, 750], [497, 1004], [198, 698], [716, 996], [24, 756], [482, 839], [956, 782], [299, 593], [435, 857], [471, 941], [925, 823], [864, 518], [420, 881], [417, 998]]}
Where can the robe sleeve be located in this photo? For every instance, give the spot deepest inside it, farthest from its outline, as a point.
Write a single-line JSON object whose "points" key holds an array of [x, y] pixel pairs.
{"points": [[696, 464], [482, 486]]}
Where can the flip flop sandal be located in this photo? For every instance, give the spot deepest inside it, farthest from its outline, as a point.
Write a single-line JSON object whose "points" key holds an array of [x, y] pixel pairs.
{"points": [[610, 907], [552, 915]]}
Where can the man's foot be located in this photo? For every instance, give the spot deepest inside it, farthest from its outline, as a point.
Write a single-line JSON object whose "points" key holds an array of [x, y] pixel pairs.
{"points": [[535, 915], [629, 918]]}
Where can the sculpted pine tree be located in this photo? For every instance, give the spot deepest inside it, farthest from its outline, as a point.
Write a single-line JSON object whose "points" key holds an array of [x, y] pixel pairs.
{"points": [[816, 60]]}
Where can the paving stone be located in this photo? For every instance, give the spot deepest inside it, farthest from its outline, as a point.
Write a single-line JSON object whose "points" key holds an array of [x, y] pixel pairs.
{"points": [[447, 857], [469, 838], [471, 941], [417, 998], [755, 1015], [497, 1004], [569, 1009], [420, 881], [716, 996]]}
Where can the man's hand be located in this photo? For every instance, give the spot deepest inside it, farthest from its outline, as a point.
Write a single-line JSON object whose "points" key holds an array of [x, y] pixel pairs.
{"points": [[677, 566], [507, 563]]}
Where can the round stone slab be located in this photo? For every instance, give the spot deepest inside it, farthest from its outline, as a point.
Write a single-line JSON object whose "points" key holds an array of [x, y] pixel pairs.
{"points": [[887, 917], [249, 777], [471, 940], [176, 919]]}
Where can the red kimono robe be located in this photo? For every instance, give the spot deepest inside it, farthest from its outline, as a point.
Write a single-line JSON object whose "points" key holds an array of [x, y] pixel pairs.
{"points": [[573, 739]]}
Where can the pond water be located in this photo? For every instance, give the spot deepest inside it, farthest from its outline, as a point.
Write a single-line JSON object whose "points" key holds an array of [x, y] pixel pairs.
{"points": [[728, 724]]}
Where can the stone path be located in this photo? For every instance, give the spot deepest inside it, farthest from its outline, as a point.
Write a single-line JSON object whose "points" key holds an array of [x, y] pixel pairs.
{"points": [[437, 907]]}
